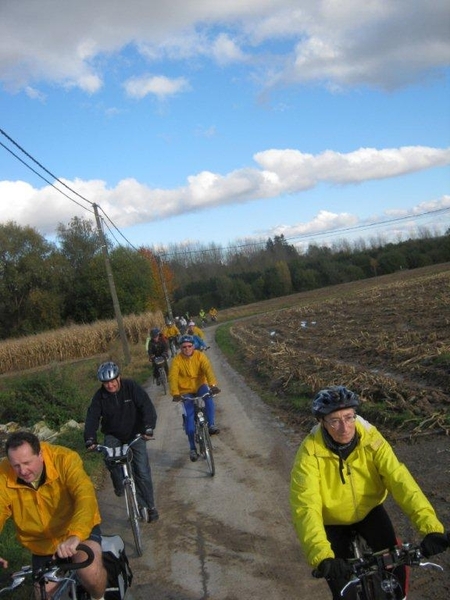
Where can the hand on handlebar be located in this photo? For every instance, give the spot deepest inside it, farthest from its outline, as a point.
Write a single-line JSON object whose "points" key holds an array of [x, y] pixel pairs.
{"points": [[176, 398], [334, 568], [90, 444], [435, 543], [67, 548], [214, 390]]}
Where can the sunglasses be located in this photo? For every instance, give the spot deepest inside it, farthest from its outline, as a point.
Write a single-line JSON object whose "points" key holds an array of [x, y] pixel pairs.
{"points": [[187, 346]]}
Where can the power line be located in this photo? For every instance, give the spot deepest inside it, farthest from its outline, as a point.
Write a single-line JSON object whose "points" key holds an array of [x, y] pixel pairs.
{"points": [[44, 169], [306, 236], [58, 180], [42, 177]]}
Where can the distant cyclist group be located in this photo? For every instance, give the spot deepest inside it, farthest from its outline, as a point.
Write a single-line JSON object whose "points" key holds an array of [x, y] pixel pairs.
{"points": [[342, 474]]}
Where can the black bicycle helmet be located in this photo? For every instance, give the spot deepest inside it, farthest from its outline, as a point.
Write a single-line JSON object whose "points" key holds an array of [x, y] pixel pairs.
{"points": [[155, 332], [186, 339], [108, 371], [333, 398]]}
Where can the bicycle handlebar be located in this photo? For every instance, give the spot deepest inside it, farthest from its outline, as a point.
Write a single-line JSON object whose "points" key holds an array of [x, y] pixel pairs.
{"points": [[117, 453], [50, 570], [184, 397], [65, 564], [384, 561]]}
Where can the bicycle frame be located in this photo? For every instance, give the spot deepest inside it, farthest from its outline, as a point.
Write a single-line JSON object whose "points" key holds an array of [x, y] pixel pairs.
{"points": [[202, 437], [160, 363], [122, 456]]}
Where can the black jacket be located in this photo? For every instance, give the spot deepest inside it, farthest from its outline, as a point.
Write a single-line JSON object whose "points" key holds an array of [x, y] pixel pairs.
{"points": [[128, 412]]}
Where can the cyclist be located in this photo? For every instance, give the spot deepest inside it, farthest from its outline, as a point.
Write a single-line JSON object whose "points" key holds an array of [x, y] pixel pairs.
{"points": [[194, 330], [213, 313], [123, 409], [191, 374], [342, 474], [171, 332], [199, 343], [158, 346], [51, 499], [202, 315]]}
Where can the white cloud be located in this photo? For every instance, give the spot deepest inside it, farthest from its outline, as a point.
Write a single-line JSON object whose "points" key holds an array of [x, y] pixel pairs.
{"points": [[347, 43], [396, 224], [157, 85], [282, 172]]}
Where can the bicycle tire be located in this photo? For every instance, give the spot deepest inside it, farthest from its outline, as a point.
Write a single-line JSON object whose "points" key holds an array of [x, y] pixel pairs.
{"points": [[208, 450], [199, 439], [163, 379], [134, 517]]}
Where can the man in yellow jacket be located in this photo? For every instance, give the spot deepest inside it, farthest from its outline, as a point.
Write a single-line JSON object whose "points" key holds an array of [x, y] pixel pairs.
{"points": [[191, 374], [52, 501], [342, 474]]}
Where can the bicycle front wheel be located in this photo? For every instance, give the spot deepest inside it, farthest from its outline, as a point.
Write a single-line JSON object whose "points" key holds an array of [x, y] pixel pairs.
{"points": [[134, 518], [207, 449], [163, 380]]}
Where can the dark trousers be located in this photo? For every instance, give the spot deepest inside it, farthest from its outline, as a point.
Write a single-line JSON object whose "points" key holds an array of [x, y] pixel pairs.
{"points": [[141, 471], [377, 529]]}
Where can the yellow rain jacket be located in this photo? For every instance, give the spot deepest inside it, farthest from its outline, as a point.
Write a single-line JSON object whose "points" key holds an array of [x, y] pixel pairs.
{"points": [[171, 331], [318, 497], [64, 505], [187, 374]]}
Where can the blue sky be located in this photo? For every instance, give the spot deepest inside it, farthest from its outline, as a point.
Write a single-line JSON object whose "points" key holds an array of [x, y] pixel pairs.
{"points": [[227, 122]]}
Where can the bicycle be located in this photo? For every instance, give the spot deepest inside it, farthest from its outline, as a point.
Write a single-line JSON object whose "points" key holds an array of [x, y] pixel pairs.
{"points": [[202, 437], [122, 456], [56, 570], [160, 362], [372, 577], [173, 346]]}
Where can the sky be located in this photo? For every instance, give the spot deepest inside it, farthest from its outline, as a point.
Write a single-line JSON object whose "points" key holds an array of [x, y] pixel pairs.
{"points": [[199, 122]]}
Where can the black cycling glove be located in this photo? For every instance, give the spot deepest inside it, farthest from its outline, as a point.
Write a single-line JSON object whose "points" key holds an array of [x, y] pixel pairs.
{"points": [[434, 543], [334, 568]]}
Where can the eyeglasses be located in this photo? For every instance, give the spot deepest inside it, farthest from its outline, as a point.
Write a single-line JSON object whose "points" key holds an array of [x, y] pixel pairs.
{"points": [[186, 346], [334, 423]]}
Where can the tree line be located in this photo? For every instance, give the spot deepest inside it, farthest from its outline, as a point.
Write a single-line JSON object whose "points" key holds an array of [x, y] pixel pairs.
{"points": [[46, 285]]}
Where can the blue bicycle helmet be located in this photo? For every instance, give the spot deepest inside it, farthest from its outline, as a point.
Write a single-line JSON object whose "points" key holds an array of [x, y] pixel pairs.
{"points": [[155, 332], [108, 371], [186, 339], [333, 398]]}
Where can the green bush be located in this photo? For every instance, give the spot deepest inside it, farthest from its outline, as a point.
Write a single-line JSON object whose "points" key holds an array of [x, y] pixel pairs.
{"points": [[51, 396]]}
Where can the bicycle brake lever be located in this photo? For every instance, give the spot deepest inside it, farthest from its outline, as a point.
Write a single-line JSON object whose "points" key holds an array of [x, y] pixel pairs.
{"points": [[431, 565]]}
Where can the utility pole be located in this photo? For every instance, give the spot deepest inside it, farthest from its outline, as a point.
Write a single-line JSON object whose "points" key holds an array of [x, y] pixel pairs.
{"points": [[112, 288], [164, 287]]}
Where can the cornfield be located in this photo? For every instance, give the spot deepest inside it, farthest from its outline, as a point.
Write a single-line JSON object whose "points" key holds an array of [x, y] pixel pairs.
{"points": [[74, 342], [390, 344]]}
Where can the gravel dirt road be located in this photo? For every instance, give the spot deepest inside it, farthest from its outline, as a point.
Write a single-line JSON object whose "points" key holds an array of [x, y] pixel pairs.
{"points": [[230, 537], [226, 537]]}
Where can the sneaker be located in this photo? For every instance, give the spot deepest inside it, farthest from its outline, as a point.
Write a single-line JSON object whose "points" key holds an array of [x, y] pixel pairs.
{"points": [[118, 492], [213, 430], [193, 455], [152, 515]]}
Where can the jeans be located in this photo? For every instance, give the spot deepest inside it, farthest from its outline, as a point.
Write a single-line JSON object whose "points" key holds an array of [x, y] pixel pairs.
{"points": [[141, 471], [189, 411]]}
